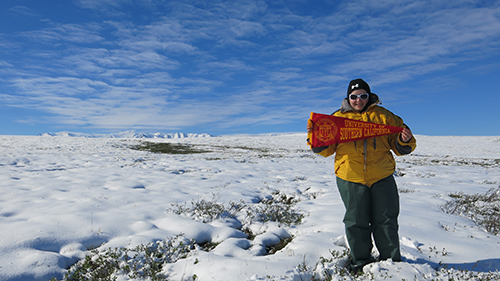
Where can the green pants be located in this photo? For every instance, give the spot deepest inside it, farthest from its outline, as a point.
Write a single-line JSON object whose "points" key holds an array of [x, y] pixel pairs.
{"points": [[371, 210]]}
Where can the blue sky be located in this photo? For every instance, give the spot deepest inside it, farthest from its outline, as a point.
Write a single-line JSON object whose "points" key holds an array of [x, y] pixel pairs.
{"points": [[230, 67]]}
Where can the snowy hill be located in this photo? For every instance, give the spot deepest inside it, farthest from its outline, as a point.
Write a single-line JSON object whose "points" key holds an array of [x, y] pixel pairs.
{"points": [[62, 197], [129, 134]]}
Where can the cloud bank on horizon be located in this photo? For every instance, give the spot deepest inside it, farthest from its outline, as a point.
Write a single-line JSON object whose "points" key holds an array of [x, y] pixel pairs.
{"points": [[242, 66]]}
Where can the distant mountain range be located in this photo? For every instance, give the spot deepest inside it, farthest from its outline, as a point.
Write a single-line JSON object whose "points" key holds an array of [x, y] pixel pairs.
{"points": [[128, 134]]}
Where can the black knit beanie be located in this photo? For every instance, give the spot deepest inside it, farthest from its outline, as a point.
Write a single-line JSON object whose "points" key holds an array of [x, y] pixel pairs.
{"points": [[358, 84]]}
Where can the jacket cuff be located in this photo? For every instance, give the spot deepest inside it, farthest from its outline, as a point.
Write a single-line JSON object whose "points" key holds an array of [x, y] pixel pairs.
{"points": [[403, 147]]}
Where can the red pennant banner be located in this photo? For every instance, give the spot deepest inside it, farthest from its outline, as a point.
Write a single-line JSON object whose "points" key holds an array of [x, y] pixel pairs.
{"points": [[328, 129]]}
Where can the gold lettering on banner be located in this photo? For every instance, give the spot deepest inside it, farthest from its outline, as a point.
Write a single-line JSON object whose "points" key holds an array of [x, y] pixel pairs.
{"points": [[358, 124], [356, 129], [350, 133], [377, 131]]}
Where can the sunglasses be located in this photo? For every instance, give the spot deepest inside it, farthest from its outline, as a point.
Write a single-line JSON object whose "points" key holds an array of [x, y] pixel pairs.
{"points": [[362, 96]]}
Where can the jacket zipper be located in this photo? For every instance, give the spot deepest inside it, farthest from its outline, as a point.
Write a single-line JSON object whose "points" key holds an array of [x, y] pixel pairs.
{"points": [[365, 148]]}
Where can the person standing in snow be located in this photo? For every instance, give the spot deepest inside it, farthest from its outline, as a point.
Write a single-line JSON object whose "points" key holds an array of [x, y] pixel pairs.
{"points": [[364, 171]]}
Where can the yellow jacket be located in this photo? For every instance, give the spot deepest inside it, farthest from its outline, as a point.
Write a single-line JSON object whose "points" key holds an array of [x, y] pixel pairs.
{"points": [[370, 160]]}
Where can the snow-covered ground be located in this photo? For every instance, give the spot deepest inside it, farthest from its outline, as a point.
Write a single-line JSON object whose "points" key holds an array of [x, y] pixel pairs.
{"points": [[62, 195]]}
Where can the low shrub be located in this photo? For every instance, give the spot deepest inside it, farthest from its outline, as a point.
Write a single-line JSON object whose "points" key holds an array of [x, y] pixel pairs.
{"points": [[168, 148], [482, 209], [207, 211], [278, 208], [142, 262]]}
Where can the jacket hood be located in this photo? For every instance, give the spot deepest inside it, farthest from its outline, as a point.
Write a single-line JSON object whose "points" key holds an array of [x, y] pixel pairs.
{"points": [[346, 106]]}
